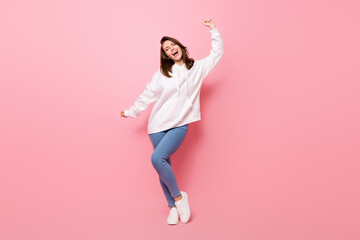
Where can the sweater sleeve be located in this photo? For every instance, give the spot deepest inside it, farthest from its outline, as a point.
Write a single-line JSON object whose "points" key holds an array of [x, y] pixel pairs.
{"points": [[216, 52], [146, 98]]}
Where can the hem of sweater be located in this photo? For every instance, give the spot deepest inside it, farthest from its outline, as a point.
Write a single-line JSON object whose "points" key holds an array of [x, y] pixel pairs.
{"points": [[167, 127]]}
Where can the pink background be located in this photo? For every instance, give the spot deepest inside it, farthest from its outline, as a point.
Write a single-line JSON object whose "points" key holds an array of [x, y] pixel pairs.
{"points": [[275, 156]]}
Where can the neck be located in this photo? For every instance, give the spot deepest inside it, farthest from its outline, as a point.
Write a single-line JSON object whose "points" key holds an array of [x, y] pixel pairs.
{"points": [[180, 62]]}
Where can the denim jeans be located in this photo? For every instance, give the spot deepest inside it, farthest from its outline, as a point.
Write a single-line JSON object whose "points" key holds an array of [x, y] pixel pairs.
{"points": [[166, 143]]}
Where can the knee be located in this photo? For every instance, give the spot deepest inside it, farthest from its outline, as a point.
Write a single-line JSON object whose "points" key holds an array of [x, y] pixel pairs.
{"points": [[157, 160]]}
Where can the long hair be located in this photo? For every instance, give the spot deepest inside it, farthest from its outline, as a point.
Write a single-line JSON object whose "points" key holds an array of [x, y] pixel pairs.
{"points": [[166, 63]]}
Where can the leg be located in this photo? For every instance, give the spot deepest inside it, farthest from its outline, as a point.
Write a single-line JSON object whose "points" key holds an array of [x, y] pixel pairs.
{"points": [[155, 139], [165, 144], [169, 198]]}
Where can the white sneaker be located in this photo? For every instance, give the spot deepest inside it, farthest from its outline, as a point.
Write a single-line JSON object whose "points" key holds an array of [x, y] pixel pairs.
{"points": [[183, 207], [173, 217]]}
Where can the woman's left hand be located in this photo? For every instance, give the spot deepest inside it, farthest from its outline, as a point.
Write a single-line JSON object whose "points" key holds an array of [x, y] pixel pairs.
{"points": [[209, 23]]}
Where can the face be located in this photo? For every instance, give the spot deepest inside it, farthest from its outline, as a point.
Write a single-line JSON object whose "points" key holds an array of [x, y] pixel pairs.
{"points": [[172, 50]]}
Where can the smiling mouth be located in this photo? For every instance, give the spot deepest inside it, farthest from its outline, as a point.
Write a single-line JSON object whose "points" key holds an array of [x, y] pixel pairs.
{"points": [[175, 53]]}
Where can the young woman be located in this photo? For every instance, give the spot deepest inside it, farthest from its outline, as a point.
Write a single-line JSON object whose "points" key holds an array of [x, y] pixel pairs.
{"points": [[176, 89]]}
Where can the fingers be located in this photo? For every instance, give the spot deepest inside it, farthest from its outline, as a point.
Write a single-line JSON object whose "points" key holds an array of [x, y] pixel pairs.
{"points": [[122, 114], [207, 20]]}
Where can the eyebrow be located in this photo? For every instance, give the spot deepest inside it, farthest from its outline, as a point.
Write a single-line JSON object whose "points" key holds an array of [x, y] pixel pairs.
{"points": [[168, 46]]}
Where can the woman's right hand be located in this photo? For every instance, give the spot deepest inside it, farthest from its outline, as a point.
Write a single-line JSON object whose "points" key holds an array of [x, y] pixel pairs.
{"points": [[122, 114]]}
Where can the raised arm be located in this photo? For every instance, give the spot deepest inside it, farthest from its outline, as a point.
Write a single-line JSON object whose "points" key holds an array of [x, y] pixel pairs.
{"points": [[146, 98], [217, 50]]}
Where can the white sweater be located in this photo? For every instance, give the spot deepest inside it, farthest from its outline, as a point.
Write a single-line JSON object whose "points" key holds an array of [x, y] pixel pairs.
{"points": [[177, 98]]}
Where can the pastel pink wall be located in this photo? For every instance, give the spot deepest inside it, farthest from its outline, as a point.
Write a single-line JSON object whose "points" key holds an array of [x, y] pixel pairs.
{"points": [[275, 156]]}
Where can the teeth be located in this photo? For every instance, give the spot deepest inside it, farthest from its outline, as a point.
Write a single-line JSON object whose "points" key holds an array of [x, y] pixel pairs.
{"points": [[174, 52]]}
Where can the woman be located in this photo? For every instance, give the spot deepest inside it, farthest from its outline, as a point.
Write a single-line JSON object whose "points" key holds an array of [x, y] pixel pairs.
{"points": [[176, 89]]}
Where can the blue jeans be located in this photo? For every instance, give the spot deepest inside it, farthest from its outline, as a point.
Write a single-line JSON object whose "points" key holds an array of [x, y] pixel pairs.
{"points": [[166, 143]]}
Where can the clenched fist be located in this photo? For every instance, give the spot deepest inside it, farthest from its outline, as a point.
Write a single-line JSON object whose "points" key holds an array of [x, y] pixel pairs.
{"points": [[209, 23], [122, 114]]}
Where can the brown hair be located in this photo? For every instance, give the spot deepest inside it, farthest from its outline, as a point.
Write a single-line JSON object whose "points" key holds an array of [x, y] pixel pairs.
{"points": [[166, 62]]}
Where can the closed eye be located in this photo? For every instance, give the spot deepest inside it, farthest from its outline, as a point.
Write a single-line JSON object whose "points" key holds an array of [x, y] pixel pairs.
{"points": [[167, 48]]}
